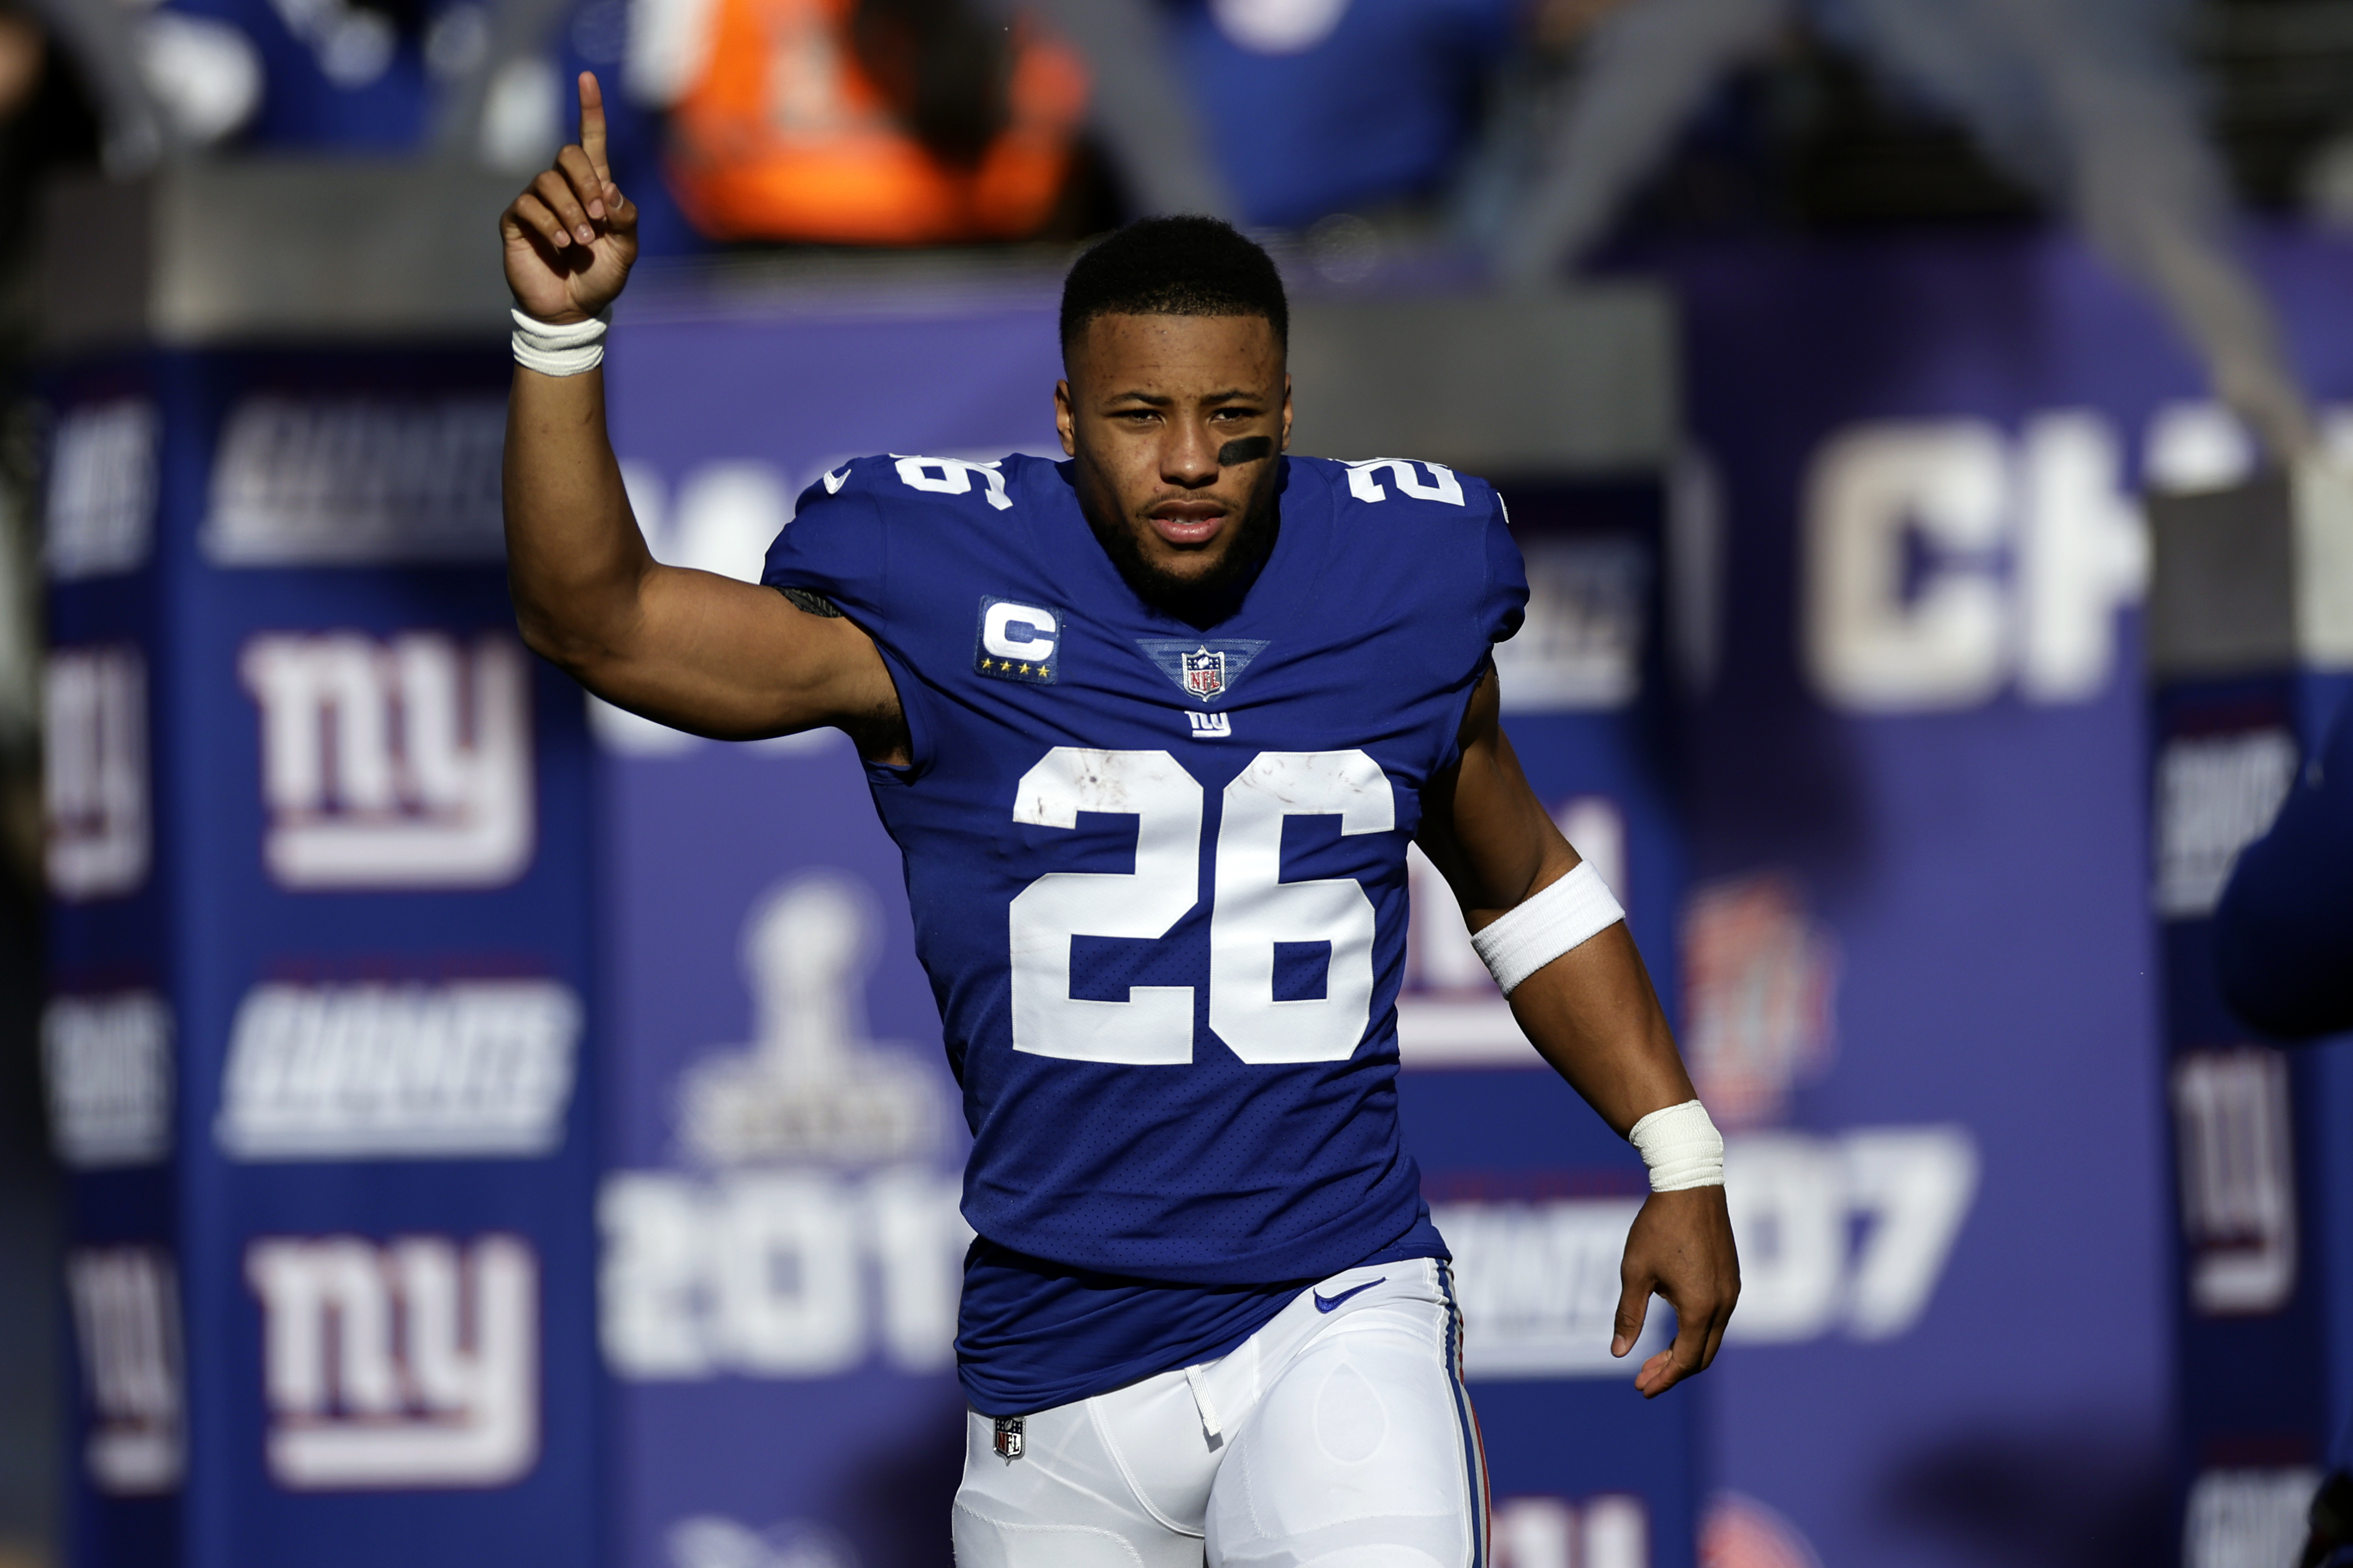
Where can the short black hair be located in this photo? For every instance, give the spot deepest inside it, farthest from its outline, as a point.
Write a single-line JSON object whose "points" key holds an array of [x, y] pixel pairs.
{"points": [[1174, 267]]}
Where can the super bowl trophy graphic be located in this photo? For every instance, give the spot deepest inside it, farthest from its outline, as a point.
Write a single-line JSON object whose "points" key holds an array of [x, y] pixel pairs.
{"points": [[811, 1085]]}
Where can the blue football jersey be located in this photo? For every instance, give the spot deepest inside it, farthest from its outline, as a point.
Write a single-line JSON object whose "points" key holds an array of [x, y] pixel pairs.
{"points": [[1158, 874]]}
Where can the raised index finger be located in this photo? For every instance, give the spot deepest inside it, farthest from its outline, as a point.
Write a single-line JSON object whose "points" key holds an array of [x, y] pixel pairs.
{"points": [[592, 125]]}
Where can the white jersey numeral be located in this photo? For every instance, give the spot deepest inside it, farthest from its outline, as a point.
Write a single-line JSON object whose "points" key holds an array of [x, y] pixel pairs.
{"points": [[1154, 1026], [953, 477], [1253, 909], [1364, 482], [1257, 909]]}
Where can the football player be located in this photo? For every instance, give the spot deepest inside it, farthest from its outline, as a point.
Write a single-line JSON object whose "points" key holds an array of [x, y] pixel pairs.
{"points": [[1154, 728]]}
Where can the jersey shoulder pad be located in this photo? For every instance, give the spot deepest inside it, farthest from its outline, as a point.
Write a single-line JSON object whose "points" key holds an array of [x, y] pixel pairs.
{"points": [[870, 521], [1458, 545], [837, 543]]}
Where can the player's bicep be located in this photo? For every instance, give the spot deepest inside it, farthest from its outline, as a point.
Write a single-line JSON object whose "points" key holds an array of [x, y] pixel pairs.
{"points": [[739, 662], [1483, 826]]}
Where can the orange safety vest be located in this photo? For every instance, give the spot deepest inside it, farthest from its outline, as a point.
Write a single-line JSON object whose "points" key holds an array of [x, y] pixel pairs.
{"points": [[786, 137]]}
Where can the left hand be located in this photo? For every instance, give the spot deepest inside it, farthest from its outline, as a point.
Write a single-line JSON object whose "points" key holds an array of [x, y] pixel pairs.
{"points": [[1680, 1248]]}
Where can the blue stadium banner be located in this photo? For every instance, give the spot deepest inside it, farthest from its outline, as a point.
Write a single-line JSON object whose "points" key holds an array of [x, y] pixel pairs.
{"points": [[1921, 975], [317, 1041]]}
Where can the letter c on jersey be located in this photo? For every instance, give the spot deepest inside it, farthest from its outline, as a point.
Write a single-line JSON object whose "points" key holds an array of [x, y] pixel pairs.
{"points": [[1018, 631]]}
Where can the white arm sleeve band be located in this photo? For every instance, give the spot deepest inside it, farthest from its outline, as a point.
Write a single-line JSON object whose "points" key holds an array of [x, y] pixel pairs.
{"points": [[1680, 1146], [566, 350], [1539, 930]]}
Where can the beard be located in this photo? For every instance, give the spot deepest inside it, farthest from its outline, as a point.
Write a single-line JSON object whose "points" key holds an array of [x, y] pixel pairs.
{"points": [[1199, 602]]}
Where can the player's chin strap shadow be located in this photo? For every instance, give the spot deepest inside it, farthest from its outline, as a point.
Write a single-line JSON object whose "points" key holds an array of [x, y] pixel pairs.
{"points": [[1245, 450]]}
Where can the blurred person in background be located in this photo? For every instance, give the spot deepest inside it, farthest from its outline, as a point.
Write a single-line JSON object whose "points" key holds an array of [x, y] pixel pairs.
{"points": [[340, 74], [463, 83], [919, 122], [873, 122], [2283, 945], [1316, 107], [2091, 106]]}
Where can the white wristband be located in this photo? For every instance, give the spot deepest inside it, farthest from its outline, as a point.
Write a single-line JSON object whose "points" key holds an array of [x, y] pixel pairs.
{"points": [[1527, 938], [1680, 1146], [566, 349]]}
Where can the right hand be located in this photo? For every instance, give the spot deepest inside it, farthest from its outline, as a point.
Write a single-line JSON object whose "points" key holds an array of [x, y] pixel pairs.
{"points": [[1680, 1248], [572, 237]]}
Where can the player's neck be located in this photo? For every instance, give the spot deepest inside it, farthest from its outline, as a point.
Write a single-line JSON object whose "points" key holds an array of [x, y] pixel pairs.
{"points": [[1200, 602]]}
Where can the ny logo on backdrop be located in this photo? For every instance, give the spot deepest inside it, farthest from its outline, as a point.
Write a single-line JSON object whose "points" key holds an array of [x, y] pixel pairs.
{"points": [[94, 772], [411, 1363], [2232, 1136], [126, 1315], [393, 763]]}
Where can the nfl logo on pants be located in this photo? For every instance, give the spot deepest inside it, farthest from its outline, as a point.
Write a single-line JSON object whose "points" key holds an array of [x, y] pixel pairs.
{"points": [[1009, 1436]]}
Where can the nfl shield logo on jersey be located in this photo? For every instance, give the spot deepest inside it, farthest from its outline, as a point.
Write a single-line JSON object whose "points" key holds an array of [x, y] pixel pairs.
{"points": [[1203, 669], [1205, 672], [1009, 1436]]}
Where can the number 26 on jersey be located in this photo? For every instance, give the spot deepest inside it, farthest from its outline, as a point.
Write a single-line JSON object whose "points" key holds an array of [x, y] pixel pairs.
{"points": [[1252, 908]]}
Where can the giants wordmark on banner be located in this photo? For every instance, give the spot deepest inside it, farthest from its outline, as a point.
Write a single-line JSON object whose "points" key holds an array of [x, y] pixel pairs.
{"points": [[108, 1060], [309, 481], [102, 500], [463, 1070]]}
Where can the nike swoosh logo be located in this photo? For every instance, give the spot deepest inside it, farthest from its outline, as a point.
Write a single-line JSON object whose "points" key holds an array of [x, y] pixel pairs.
{"points": [[834, 482], [1326, 1303]]}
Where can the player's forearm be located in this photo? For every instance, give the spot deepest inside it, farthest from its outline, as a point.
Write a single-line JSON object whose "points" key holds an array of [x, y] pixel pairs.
{"points": [[1590, 1010], [1592, 1015], [575, 561]]}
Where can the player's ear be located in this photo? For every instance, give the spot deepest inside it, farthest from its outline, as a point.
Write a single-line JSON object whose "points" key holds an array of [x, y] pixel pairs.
{"points": [[1286, 411], [1066, 419]]}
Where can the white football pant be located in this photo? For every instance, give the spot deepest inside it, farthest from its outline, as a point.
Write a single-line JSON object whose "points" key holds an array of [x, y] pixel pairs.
{"points": [[1339, 1436]]}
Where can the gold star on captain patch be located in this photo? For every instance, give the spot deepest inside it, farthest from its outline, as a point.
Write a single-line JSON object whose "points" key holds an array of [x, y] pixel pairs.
{"points": [[1025, 670], [985, 666]]}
